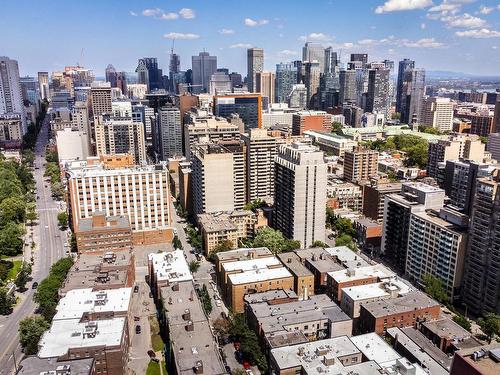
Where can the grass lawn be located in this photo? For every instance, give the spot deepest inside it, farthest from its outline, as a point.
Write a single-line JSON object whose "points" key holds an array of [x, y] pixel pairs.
{"points": [[153, 369], [15, 269], [156, 340]]}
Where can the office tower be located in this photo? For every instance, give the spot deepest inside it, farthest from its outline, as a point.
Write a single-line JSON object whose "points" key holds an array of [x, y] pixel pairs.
{"points": [[311, 80], [437, 113], [235, 79], [146, 115], [43, 82], [220, 83], [494, 145], [115, 135], [11, 96], [414, 197], [347, 83], [29, 89], [149, 74], [360, 164], [300, 70], [247, 106], [80, 117], [311, 120], [437, 242], [481, 287], [298, 96], [481, 123], [264, 83], [174, 67], [457, 146], [141, 193], [404, 65], [496, 118], [412, 96], [212, 179], [255, 64], [169, 132], [111, 75], [331, 61], [299, 196], [286, 77], [352, 114], [203, 66], [359, 57], [460, 178], [100, 97], [328, 90], [121, 82], [377, 98], [260, 154], [314, 52]]}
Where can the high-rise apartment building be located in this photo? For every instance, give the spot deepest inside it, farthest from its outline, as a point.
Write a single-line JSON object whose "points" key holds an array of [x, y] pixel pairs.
{"points": [[312, 80], [238, 149], [11, 96], [314, 52], [120, 135], [481, 287], [255, 64], [496, 118], [437, 113], [169, 133], [43, 84], [404, 65], [298, 96], [374, 198], [260, 154], [414, 197], [247, 106], [437, 242], [286, 77], [141, 193], [299, 198], [412, 95], [203, 67], [111, 75], [264, 83], [80, 117], [494, 145], [360, 164], [220, 84], [377, 98], [100, 97], [347, 82]]}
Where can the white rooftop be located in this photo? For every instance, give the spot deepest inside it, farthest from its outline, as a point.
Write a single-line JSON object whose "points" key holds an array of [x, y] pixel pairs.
{"points": [[379, 271], [374, 348], [251, 264], [170, 266], [259, 274], [368, 291], [68, 334], [77, 302], [343, 253]]}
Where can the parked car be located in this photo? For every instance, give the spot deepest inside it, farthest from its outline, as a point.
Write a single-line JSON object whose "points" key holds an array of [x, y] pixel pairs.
{"points": [[136, 289], [35, 285], [137, 329]]}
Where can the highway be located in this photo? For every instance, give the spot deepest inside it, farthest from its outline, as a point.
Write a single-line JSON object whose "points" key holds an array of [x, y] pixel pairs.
{"points": [[50, 247]]}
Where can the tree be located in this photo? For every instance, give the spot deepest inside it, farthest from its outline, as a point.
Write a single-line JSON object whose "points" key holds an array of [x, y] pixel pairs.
{"points": [[62, 219], [221, 327], [345, 240], [12, 209], [434, 287], [318, 243], [490, 325], [10, 239], [428, 130], [176, 243], [462, 321], [270, 238], [221, 247], [194, 266], [205, 300], [396, 116], [249, 343], [31, 330], [31, 214], [73, 243], [256, 204], [23, 276], [290, 245], [6, 301], [336, 127]]}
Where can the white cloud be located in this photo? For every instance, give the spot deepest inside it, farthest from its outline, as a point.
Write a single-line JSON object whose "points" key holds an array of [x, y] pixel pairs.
{"points": [[478, 33], [241, 45], [226, 31], [187, 13], [316, 37], [421, 43], [494, 47], [423, 25], [485, 10], [288, 52], [392, 41], [169, 16], [465, 20], [445, 7], [400, 5], [132, 13], [182, 36], [251, 22], [152, 12]]}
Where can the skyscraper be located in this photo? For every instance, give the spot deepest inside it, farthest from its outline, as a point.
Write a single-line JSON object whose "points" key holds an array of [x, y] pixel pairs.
{"points": [[286, 77], [437, 113], [203, 66], [377, 98], [298, 96], [174, 67], [169, 132], [331, 61], [247, 106], [43, 82], [299, 198], [111, 75], [360, 57], [100, 95], [312, 78], [347, 83], [412, 95], [404, 65], [149, 74], [11, 96], [264, 83], [255, 64], [314, 52], [496, 118]]}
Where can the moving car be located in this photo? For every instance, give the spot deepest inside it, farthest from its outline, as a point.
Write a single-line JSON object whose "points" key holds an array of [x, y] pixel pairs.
{"points": [[137, 329]]}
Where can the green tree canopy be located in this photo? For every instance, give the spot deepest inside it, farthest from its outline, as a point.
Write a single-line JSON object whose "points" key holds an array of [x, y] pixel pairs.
{"points": [[62, 219], [11, 242], [31, 330], [434, 287], [490, 325], [270, 238], [462, 321], [12, 209], [6, 301]]}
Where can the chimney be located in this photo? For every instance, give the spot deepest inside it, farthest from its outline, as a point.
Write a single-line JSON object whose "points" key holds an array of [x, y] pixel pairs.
{"points": [[186, 315], [198, 367], [189, 326]]}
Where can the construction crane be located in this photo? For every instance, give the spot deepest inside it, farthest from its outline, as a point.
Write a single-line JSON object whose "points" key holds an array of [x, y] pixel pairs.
{"points": [[80, 63]]}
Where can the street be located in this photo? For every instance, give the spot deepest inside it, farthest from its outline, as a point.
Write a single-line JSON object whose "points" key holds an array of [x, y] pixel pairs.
{"points": [[50, 247]]}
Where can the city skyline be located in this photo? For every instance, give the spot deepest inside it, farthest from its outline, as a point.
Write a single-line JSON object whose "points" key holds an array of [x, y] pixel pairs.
{"points": [[452, 35]]}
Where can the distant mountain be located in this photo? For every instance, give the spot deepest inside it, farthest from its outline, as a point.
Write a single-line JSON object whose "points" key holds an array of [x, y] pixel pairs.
{"points": [[443, 74]]}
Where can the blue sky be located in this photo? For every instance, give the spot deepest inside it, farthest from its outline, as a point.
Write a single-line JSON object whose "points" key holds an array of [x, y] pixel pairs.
{"points": [[454, 35]]}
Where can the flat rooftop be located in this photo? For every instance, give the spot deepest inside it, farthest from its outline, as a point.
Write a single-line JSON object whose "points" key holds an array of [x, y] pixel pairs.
{"points": [[285, 338], [270, 296], [243, 254], [258, 275], [447, 328], [292, 262], [379, 271], [64, 335], [77, 302], [252, 264], [171, 266], [409, 302], [488, 364], [343, 254], [111, 222], [374, 348], [368, 291], [37, 366]]}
